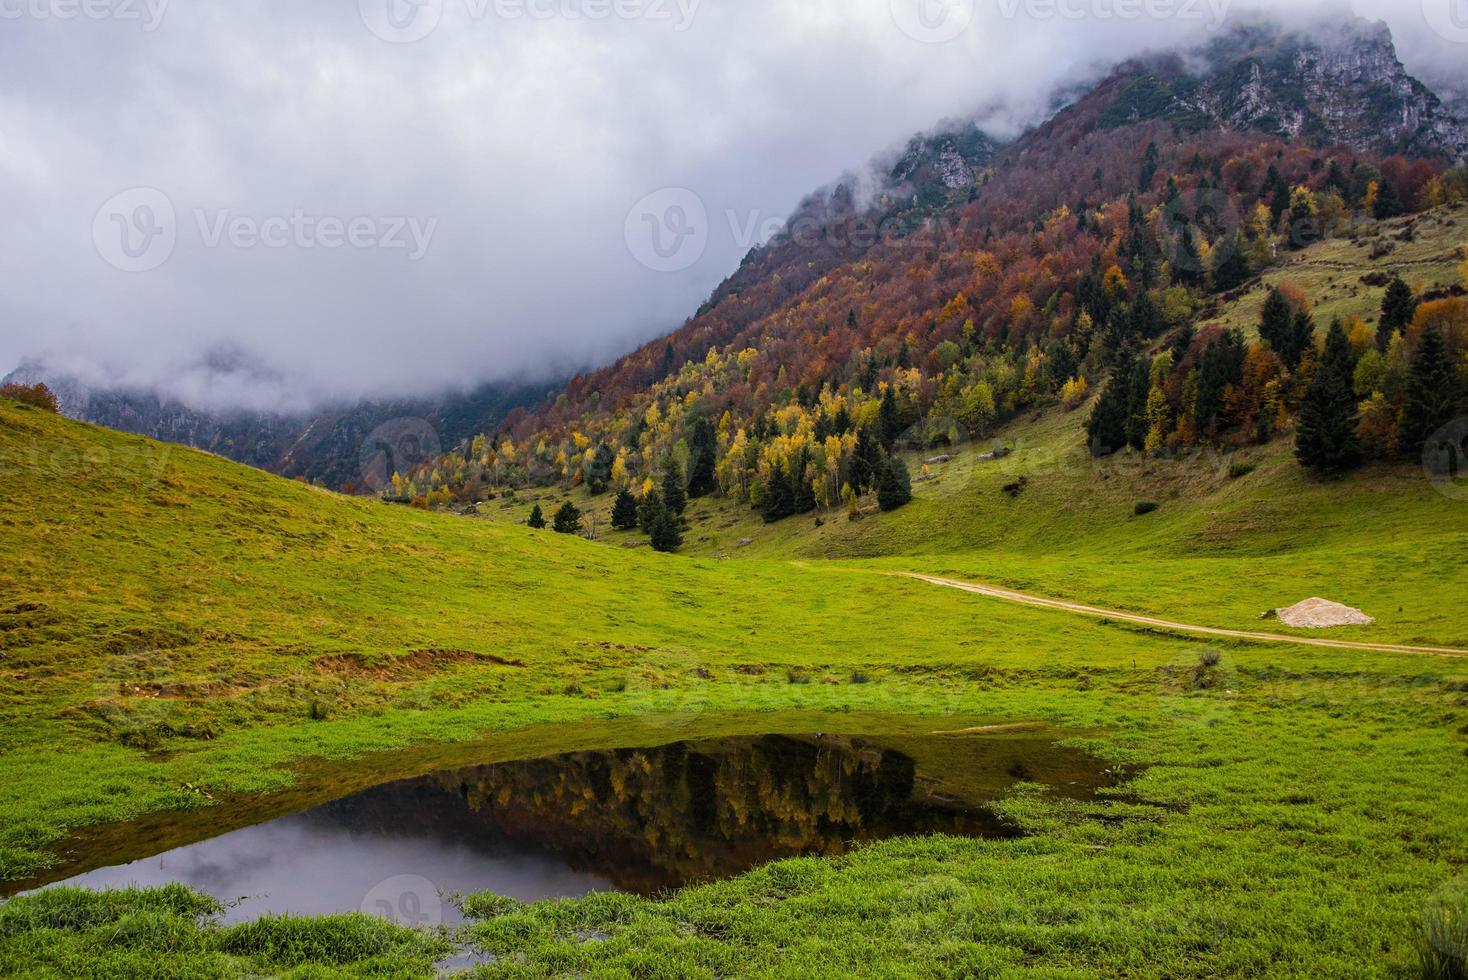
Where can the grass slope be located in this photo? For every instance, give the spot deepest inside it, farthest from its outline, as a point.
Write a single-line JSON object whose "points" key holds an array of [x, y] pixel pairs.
{"points": [[180, 633]]}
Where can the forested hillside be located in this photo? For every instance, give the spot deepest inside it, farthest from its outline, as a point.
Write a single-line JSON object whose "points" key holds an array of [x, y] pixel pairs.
{"points": [[1094, 254]]}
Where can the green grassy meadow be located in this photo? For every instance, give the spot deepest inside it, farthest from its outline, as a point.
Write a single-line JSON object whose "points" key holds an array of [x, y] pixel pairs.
{"points": [[191, 644]]}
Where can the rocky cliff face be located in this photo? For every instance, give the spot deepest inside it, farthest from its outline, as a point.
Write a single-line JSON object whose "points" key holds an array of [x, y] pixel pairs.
{"points": [[1338, 82]]}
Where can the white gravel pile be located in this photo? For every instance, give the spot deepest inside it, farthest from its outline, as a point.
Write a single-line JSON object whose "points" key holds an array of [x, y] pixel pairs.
{"points": [[1319, 614]]}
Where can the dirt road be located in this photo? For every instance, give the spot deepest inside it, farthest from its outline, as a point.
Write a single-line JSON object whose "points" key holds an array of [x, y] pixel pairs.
{"points": [[1009, 595]]}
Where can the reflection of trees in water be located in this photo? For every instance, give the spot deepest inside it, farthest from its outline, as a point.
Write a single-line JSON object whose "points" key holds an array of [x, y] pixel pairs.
{"points": [[656, 818]]}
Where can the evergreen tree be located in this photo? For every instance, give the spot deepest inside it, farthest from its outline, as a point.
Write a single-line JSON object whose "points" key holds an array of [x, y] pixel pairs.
{"points": [[567, 520], [1325, 438], [866, 461], [648, 510], [1434, 395], [1147, 319], [599, 472], [802, 491], [624, 511], [537, 518], [1137, 421], [675, 495], [666, 535], [894, 489], [1222, 365], [703, 448], [1398, 307], [1230, 265], [1149, 167], [1288, 333], [1276, 322], [889, 419], [1107, 426], [779, 500], [1187, 268], [1277, 190], [1388, 202]]}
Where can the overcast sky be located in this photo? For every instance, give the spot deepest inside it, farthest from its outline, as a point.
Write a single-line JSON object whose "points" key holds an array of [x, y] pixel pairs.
{"points": [[392, 196]]}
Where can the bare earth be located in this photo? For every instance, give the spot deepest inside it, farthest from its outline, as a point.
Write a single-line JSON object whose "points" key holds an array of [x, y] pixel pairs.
{"points": [[1009, 595]]}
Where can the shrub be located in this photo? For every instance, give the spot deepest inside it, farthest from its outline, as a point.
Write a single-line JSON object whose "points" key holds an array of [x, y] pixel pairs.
{"points": [[1237, 471], [36, 396], [1443, 944], [1146, 507], [567, 520]]}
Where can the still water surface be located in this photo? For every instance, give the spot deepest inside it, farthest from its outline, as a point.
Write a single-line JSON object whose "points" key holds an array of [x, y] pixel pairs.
{"points": [[642, 820]]}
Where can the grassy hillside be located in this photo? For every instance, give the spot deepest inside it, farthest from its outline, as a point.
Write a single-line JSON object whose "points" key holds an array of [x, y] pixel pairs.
{"points": [[1235, 534], [181, 633]]}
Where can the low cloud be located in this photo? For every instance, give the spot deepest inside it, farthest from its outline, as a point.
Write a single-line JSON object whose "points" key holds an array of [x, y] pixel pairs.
{"points": [[383, 197]]}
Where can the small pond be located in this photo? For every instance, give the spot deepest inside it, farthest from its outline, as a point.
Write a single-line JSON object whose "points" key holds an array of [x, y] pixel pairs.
{"points": [[642, 820]]}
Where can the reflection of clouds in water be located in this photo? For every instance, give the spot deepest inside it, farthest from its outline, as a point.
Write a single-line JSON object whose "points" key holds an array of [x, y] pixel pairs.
{"points": [[313, 865]]}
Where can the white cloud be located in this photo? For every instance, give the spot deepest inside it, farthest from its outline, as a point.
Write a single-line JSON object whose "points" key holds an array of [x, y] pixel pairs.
{"points": [[527, 139]]}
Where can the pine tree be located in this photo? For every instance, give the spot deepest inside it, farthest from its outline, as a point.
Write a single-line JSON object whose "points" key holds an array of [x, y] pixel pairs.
{"points": [[1388, 202], [703, 448], [675, 495], [1230, 265], [802, 492], [1147, 319], [779, 502], [1149, 167], [537, 518], [648, 510], [894, 490], [1137, 422], [1222, 365], [1276, 322], [1325, 438], [1398, 307], [865, 461], [666, 535], [1277, 190], [624, 511], [1107, 427], [599, 472], [567, 520], [1434, 396], [889, 419]]}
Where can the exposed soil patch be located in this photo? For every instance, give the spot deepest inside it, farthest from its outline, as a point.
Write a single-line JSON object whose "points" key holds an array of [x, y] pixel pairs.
{"points": [[405, 666]]}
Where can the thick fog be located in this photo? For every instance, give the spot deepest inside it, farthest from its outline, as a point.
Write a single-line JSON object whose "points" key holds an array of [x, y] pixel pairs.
{"points": [[266, 203]]}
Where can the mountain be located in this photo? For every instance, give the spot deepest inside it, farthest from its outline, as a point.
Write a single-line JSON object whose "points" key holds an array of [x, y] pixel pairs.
{"points": [[349, 447], [1339, 82], [968, 280]]}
